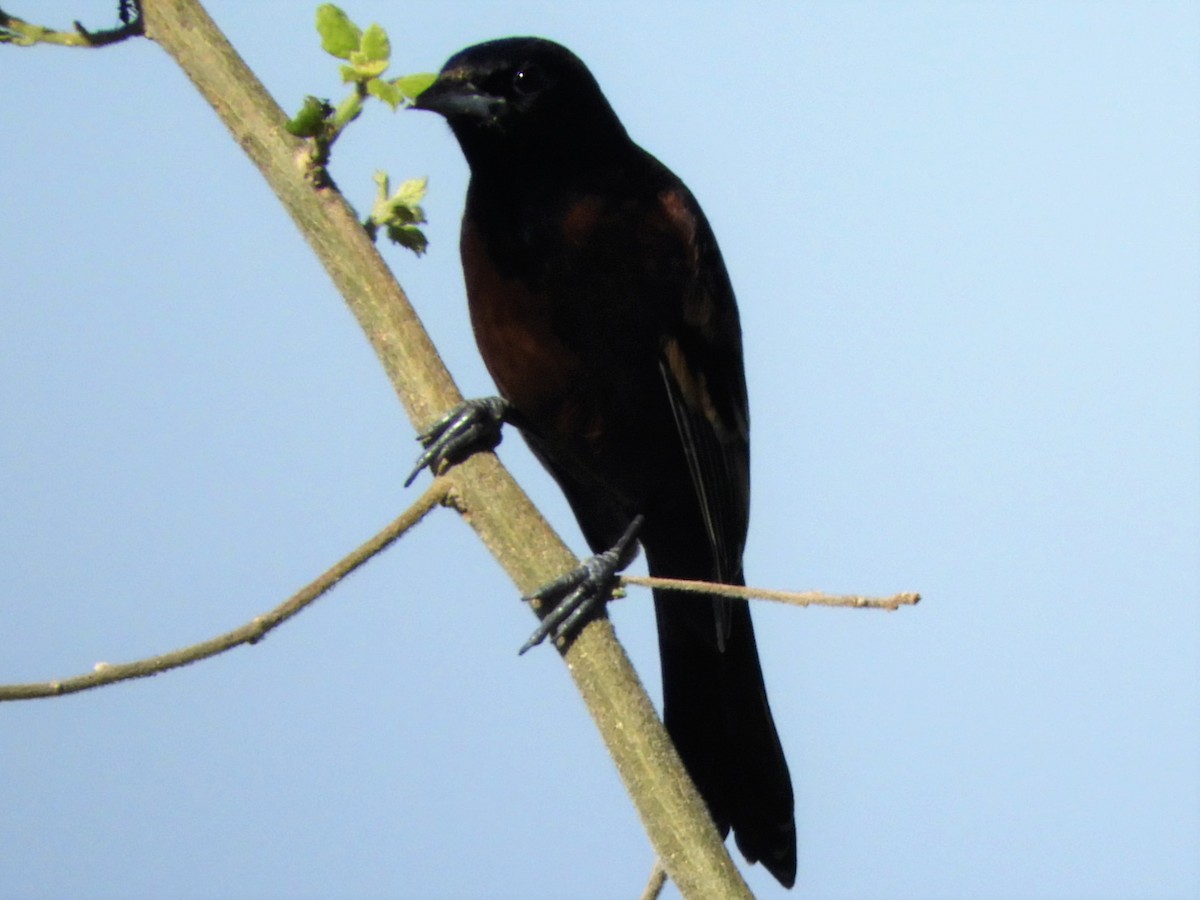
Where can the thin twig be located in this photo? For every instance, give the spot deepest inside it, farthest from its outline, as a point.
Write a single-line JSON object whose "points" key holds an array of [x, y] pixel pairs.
{"points": [[795, 598], [250, 633], [25, 34], [658, 880]]}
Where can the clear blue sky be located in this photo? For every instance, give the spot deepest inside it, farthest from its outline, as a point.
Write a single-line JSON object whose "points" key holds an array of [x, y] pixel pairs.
{"points": [[966, 243]]}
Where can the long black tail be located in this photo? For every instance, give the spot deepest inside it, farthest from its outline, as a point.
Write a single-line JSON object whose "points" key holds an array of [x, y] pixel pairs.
{"points": [[716, 711]]}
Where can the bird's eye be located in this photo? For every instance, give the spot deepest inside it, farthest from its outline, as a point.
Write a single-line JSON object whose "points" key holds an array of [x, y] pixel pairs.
{"points": [[528, 79]]}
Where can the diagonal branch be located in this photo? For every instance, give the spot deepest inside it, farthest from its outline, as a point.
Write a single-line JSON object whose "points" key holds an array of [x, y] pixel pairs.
{"points": [[250, 633]]}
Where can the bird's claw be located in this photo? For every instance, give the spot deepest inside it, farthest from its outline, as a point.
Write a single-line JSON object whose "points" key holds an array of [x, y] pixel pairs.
{"points": [[471, 427], [582, 591]]}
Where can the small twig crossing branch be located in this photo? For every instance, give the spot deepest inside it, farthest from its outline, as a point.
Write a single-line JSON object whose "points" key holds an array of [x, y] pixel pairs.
{"points": [[656, 883], [794, 598], [438, 493], [250, 633]]}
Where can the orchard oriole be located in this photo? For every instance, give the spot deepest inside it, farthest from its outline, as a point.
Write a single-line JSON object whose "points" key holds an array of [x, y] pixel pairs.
{"points": [[604, 313]]}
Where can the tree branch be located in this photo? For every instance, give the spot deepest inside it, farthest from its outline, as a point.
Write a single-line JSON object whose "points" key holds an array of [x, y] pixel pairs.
{"points": [[250, 633]]}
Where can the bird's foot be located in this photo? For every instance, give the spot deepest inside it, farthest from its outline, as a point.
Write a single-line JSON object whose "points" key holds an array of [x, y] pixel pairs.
{"points": [[471, 427], [583, 591]]}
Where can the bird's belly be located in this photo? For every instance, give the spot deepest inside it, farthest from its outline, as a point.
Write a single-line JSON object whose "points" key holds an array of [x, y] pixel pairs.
{"points": [[531, 367]]}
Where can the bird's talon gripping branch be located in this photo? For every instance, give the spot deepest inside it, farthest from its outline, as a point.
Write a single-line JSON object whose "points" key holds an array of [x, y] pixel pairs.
{"points": [[582, 591], [471, 427]]}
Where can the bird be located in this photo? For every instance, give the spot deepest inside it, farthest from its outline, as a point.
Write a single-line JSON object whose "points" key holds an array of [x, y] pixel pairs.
{"points": [[604, 313]]}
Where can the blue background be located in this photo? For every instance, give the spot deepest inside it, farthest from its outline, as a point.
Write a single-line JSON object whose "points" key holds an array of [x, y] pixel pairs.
{"points": [[966, 242]]}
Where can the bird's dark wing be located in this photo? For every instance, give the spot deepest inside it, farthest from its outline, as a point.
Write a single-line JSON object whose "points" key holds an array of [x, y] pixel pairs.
{"points": [[701, 364]]}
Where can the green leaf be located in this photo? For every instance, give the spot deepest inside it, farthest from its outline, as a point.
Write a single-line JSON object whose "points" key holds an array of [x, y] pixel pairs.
{"points": [[339, 36], [409, 236], [385, 91], [375, 45], [364, 67], [412, 192], [411, 86], [311, 119], [400, 214]]}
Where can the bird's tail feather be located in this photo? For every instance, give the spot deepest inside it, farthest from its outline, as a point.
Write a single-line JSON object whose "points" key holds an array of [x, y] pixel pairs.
{"points": [[716, 711]]}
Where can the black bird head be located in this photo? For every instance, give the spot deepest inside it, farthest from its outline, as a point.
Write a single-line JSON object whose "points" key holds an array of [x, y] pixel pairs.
{"points": [[523, 101]]}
